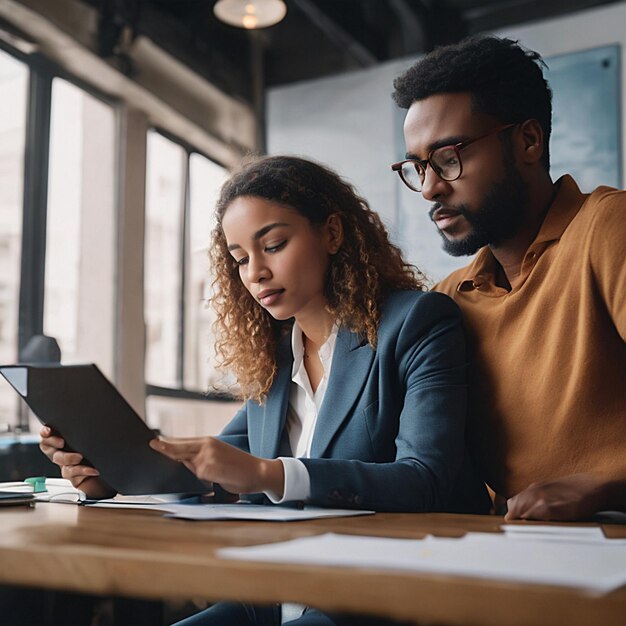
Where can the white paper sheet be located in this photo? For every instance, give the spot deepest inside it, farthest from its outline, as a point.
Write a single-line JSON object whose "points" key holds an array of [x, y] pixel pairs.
{"points": [[257, 512], [586, 534], [555, 530], [597, 567]]}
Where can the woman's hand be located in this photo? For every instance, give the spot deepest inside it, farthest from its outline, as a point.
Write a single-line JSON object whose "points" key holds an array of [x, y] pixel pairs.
{"points": [[83, 477], [218, 462]]}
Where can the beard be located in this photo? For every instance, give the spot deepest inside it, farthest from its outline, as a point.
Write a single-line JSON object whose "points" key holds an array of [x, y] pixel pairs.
{"points": [[496, 220]]}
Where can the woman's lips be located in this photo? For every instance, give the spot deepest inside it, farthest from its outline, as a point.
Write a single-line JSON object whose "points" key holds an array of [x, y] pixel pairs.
{"points": [[268, 297]]}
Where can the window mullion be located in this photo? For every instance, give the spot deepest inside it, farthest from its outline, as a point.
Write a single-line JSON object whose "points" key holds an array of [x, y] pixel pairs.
{"points": [[35, 201], [184, 249]]}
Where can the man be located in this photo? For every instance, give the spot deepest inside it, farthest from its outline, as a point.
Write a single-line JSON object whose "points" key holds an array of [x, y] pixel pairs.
{"points": [[544, 300]]}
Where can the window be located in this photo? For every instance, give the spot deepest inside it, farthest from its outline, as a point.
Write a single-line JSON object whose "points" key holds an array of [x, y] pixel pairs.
{"points": [[205, 181], [165, 189], [14, 88], [182, 188], [57, 220], [79, 293], [58, 243]]}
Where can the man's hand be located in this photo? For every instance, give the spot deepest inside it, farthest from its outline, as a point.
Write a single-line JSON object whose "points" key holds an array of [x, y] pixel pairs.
{"points": [[83, 477], [569, 498], [218, 462]]}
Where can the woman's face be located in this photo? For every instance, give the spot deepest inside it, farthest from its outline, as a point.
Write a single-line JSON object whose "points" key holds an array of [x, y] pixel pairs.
{"points": [[282, 257]]}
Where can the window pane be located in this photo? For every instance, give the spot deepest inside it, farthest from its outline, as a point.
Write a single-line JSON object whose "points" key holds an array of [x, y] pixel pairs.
{"points": [[205, 180], [13, 87], [176, 417], [79, 296], [163, 258]]}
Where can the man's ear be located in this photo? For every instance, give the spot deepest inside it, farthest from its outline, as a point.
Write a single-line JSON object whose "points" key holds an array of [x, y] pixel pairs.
{"points": [[531, 146], [334, 233]]}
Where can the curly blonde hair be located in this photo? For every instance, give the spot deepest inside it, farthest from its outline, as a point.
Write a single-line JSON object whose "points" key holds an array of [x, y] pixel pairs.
{"points": [[364, 270]]}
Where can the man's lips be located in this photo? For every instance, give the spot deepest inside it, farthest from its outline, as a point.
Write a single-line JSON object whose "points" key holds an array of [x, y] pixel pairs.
{"points": [[444, 217], [269, 296]]}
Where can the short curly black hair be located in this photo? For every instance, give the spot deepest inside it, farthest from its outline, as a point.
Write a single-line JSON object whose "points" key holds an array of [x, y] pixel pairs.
{"points": [[505, 80]]}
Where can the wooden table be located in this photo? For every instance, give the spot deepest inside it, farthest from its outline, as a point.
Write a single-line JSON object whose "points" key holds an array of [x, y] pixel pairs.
{"points": [[143, 555]]}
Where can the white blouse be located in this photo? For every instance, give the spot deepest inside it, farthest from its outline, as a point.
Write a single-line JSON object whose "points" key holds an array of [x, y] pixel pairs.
{"points": [[304, 406]]}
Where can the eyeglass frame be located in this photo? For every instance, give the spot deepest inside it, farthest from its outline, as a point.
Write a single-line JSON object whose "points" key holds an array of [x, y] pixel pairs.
{"points": [[457, 147]]}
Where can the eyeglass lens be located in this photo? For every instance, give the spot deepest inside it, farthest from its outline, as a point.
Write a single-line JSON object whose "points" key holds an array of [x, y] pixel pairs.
{"points": [[446, 162]]}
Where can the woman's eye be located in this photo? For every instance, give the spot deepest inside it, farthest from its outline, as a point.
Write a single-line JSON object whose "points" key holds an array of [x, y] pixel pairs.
{"points": [[242, 261], [276, 248]]}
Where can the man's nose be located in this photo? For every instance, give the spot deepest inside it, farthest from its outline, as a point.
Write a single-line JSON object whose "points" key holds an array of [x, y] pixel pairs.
{"points": [[433, 186]]}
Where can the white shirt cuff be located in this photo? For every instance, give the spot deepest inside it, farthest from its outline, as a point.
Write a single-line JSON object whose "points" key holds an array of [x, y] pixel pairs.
{"points": [[297, 481]]}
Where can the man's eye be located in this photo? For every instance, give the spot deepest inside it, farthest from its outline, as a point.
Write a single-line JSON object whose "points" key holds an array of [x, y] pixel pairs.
{"points": [[276, 248]]}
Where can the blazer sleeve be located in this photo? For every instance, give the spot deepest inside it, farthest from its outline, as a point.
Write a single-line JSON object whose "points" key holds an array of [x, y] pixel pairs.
{"points": [[428, 354]]}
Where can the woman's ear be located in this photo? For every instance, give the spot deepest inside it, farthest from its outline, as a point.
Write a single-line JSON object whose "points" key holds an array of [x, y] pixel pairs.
{"points": [[334, 233], [532, 138]]}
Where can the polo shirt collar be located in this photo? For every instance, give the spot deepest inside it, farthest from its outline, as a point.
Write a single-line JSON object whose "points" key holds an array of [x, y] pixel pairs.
{"points": [[562, 211], [566, 205]]}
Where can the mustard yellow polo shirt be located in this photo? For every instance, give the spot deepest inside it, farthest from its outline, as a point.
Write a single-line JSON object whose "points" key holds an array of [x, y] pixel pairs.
{"points": [[548, 359]]}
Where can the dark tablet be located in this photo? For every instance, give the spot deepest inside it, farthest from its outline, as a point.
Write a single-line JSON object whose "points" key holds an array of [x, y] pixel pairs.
{"points": [[79, 403]]}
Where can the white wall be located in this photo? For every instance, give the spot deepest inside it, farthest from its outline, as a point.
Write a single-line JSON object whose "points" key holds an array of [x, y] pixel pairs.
{"points": [[345, 122], [349, 122]]}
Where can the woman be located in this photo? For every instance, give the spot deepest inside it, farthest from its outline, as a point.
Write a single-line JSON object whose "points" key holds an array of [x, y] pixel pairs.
{"points": [[354, 376]]}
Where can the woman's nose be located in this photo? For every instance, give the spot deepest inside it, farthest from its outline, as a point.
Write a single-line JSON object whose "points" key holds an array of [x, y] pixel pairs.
{"points": [[257, 269]]}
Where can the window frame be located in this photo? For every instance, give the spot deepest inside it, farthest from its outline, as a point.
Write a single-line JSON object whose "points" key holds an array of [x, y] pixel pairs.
{"points": [[41, 74]]}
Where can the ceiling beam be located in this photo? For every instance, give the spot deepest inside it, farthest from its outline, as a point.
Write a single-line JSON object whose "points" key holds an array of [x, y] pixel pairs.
{"points": [[336, 34]]}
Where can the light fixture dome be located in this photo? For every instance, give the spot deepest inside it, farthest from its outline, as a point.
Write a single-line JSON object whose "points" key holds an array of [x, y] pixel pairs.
{"points": [[250, 13]]}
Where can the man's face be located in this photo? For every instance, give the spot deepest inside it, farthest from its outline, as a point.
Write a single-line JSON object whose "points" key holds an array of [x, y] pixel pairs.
{"points": [[485, 205]]}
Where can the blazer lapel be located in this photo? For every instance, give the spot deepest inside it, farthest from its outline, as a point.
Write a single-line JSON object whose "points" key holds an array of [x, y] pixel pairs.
{"points": [[274, 411], [352, 361]]}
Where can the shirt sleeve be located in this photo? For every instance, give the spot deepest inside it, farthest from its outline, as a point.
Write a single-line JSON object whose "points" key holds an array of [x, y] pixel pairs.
{"points": [[608, 257], [297, 482]]}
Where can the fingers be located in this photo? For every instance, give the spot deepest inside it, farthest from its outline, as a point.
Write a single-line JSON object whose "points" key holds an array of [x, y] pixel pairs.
{"points": [[83, 477], [74, 472], [540, 511], [512, 509], [178, 450], [66, 458], [531, 505], [50, 442], [526, 505], [50, 445], [197, 440]]}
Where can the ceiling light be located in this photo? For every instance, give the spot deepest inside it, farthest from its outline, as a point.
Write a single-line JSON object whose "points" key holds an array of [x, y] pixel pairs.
{"points": [[250, 13]]}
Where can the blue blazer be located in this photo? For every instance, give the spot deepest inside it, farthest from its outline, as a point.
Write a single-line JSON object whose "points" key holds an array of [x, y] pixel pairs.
{"points": [[390, 433]]}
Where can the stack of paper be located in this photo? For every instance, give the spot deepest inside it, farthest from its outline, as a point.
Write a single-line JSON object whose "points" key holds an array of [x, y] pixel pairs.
{"points": [[595, 566], [54, 490]]}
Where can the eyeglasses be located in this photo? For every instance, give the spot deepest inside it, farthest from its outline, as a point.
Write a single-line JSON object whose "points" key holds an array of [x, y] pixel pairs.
{"points": [[445, 162]]}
